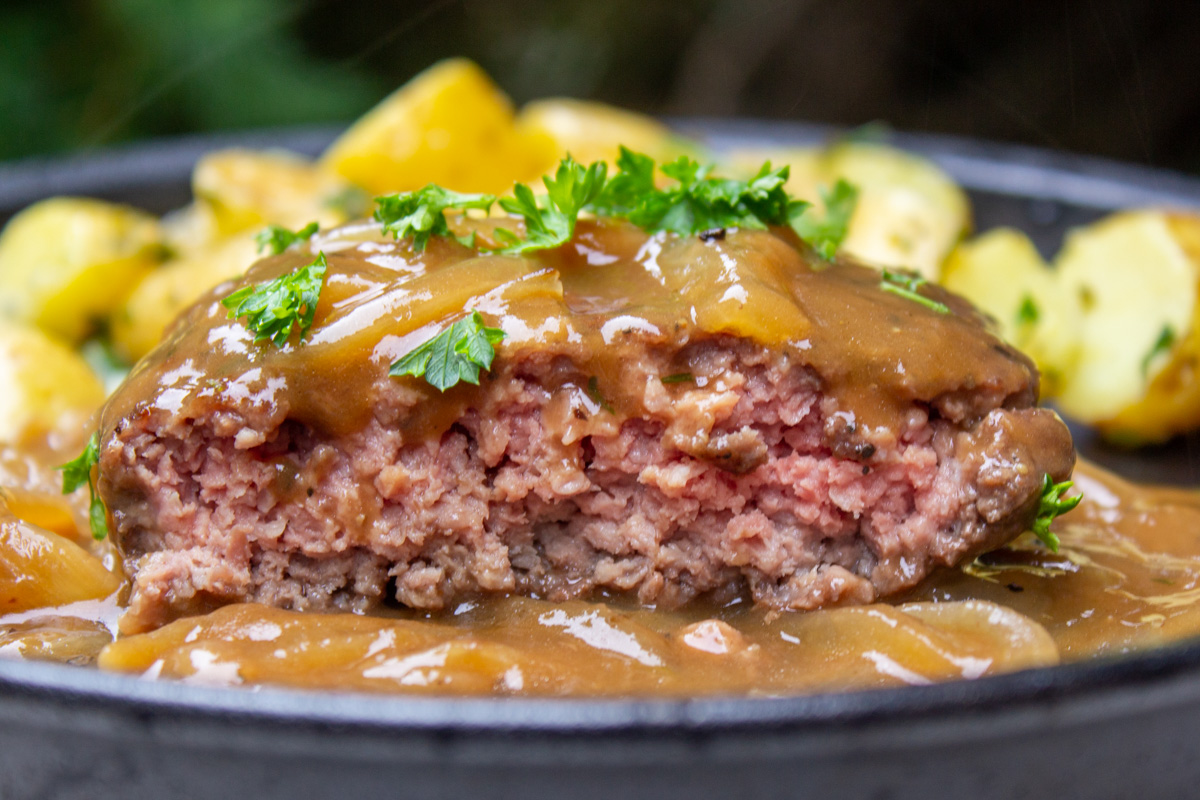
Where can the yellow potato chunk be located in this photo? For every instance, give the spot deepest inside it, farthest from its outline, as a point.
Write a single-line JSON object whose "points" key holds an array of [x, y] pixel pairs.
{"points": [[47, 387], [248, 189], [39, 569], [450, 125], [1003, 274], [67, 262], [1137, 286], [910, 213], [593, 131], [154, 304], [1171, 402]]}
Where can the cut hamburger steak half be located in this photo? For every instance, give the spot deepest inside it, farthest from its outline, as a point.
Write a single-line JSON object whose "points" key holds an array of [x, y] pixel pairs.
{"points": [[666, 418]]}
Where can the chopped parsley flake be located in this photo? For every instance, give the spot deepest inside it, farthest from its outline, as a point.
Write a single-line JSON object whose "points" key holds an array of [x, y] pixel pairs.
{"points": [[1051, 505], [1027, 312], [272, 309], [825, 234], [277, 239], [456, 354], [76, 473], [551, 222], [593, 391], [1163, 344], [422, 213], [907, 286]]}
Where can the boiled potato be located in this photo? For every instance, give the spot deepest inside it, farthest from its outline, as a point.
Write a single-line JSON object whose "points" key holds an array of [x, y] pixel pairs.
{"points": [[66, 262], [1003, 274], [39, 569], [139, 325], [249, 189], [1137, 284], [47, 386], [450, 125], [593, 131], [910, 213]]}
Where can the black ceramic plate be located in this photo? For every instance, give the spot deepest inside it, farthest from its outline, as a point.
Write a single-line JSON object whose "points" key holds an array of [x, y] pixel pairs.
{"points": [[1121, 728]]}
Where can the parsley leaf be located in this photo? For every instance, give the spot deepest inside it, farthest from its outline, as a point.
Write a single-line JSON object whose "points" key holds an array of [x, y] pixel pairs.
{"points": [[697, 202], [422, 213], [271, 309], [552, 223], [76, 473], [351, 202], [456, 354], [827, 233], [1050, 506], [633, 181], [1166, 338], [1027, 313], [597, 397], [678, 377], [906, 286], [277, 239]]}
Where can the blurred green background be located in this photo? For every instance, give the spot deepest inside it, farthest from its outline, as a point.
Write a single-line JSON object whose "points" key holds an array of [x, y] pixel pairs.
{"points": [[1114, 78]]}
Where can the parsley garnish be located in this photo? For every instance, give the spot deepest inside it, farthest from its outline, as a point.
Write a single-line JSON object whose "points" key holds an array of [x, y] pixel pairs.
{"points": [[1050, 506], [277, 239], [422, 213], [271, 309], [552, 223], [593, 391], [78, 472], [1027, 312], [351, 202], [678, 377], [1166, 338], [696, 202], [907, 286], [456, 354], [826, 234]]}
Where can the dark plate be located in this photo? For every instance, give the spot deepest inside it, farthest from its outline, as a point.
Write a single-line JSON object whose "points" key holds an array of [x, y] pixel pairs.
{"points": [[1118, 728]]}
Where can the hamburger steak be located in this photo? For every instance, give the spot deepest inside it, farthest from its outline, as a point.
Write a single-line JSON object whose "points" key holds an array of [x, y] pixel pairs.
{"points": [[667, 417]]}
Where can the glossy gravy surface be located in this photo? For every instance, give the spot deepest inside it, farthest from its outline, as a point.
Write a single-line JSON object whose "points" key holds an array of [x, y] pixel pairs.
{"points": [[1127, 578], [610, 289]]}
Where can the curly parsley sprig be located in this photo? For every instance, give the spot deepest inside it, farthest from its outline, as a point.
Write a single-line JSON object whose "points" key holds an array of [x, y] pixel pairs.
{"points": [[456, 354], [277, 238], [1052, 504], [692, 201], [695, 201], [76, 473], [905, 285], [826, 233], [272, 309], [551, 223], [422, 214]]}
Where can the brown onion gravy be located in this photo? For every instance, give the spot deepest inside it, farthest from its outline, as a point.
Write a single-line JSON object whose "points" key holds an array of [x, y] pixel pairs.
{"points": [[612, 287], [1126, 578]]}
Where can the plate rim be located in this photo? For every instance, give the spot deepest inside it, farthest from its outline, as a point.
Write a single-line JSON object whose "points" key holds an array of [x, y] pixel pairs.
{"points": [[1171, 673]]}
